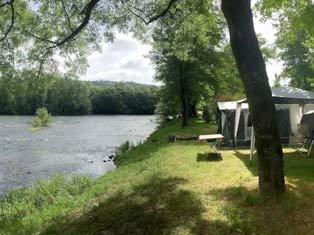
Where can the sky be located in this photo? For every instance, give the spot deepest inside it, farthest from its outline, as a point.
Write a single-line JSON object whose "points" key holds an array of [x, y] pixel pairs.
{"points": [[123, 60], [126, 59]]}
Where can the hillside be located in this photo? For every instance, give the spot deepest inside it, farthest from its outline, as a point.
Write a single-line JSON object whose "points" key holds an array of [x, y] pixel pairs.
{"points": [[105, 83]]}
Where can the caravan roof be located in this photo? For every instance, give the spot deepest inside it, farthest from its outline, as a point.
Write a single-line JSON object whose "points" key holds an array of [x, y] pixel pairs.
{"points": [[290, 95]]}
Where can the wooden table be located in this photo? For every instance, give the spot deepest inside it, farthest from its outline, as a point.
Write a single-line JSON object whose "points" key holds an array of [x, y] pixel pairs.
{"points": [[214, 138]]}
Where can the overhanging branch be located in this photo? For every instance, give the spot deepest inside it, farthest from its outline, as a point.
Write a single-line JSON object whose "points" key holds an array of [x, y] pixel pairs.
{"points": [[87, 11], [155, 17], [67, 15], [10, 4]]}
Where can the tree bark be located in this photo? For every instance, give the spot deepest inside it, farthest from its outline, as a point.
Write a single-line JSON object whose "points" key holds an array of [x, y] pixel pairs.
{"points": [[253, 74], [183, 96], [192, 110]]}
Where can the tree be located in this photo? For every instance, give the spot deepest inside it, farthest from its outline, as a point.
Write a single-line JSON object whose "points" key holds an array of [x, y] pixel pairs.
{"points": [[123, 98], [295, 38], [185, 52], [253, 74], [69, 97], [228, 85]]}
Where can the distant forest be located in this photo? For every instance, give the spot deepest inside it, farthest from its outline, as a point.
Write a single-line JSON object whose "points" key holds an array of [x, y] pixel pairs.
{"points": [[62, 96]]}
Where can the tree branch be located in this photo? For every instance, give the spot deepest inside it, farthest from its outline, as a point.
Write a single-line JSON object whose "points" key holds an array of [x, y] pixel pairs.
{"points": [[6, 3], [40, 38], [155, 17], [161, 14], [66, 15], [10, 3], [87, 11]]}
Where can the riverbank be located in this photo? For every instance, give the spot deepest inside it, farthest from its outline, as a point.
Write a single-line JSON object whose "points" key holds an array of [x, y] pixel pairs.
{"points": [[162, 188]]}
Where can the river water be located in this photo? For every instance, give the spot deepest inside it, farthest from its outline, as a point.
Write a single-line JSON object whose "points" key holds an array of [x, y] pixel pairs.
{"points": [[71, 145]]}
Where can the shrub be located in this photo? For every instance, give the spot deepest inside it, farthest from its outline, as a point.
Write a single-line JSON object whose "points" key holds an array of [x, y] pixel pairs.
{"points": [[206, 114], [43, 118]]}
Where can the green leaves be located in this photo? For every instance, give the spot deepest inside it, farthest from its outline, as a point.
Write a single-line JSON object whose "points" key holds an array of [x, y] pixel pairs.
{"points": [[295, 38], [43, 118]]}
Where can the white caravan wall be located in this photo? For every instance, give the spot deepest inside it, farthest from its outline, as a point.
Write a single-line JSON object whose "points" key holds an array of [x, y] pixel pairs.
{"points": [[295, 112]]}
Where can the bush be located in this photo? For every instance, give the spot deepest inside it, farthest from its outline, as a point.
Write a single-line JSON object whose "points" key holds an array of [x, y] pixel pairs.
{"points": [[43, 118], [206, 114]]}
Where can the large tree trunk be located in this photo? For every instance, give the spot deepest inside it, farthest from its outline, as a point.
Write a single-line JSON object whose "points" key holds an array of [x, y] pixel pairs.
{"points": [[192, 110], [253, 74], [183, 96]]}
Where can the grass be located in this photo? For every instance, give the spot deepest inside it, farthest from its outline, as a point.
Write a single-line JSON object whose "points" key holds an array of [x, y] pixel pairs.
{"points": [[162, 188]]}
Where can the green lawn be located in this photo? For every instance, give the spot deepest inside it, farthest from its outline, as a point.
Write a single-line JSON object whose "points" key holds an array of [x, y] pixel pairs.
{"points": [[162, 188]]}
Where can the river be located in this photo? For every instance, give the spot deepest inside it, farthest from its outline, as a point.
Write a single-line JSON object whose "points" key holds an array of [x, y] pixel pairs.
{"points": [[71, 145]]}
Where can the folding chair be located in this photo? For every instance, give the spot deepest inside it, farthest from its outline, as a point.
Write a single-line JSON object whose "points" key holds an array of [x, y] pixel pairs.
{"points": [[311, 144], [301, 138], [300, 146]]}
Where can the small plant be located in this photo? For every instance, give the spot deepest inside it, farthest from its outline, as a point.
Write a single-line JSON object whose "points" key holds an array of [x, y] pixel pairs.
{"points": [[43, 118], [126, 146]]}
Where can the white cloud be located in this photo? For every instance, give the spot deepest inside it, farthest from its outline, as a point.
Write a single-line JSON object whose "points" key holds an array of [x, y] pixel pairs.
{"points": [[122, 60]]}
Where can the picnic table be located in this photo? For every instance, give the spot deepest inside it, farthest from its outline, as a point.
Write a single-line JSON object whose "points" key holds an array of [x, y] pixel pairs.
{"points": [[213, 140]]}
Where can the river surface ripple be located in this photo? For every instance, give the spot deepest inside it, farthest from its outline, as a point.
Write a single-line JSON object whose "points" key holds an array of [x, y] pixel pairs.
{"points": [[71, 145]]}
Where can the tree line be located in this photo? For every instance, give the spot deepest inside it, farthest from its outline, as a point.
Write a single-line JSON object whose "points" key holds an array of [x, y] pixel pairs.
{"points": [[23, 94]]}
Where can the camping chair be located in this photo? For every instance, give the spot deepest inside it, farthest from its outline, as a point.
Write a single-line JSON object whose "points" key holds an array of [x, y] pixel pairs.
{"points": [[311, 144], [301, 146], [301, 138]]}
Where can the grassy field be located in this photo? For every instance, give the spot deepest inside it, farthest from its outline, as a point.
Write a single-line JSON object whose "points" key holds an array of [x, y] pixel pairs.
{"points": [[162, 188]]}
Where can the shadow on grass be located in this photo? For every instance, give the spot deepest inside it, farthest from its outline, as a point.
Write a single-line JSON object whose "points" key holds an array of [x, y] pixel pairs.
{"points": [[245, 158], [247, 212], [156, 207], [240, 210], [297, 167], [291, 213], [208, 157]]}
